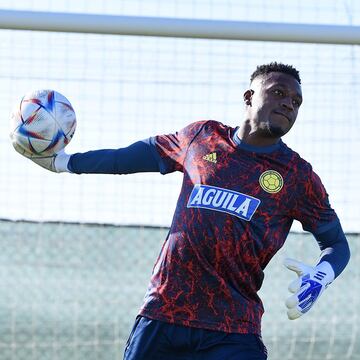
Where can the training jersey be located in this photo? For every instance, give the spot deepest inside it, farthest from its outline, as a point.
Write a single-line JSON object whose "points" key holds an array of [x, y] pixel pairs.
{"points": [[235, 209]]}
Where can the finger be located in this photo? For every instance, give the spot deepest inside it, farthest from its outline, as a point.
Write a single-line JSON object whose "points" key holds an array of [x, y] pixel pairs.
{"points": [[21, 150], [293, 314], [295, 285], [292, 302], [296, 266]]}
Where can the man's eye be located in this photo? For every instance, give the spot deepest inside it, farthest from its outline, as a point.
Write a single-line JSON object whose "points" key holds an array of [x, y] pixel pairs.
{"points": [[296, 103], [278, 92]]}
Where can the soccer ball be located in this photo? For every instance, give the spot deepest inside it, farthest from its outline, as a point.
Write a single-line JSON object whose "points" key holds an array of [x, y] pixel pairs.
{"points": [[43, 123]]}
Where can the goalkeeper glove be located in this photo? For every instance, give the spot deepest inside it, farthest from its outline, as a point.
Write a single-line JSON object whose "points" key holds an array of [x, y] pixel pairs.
{"points": [[308, 287], [56, 162]]}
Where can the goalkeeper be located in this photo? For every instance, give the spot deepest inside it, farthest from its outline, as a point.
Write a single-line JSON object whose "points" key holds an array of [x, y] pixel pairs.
{"points": [[242, 189]]}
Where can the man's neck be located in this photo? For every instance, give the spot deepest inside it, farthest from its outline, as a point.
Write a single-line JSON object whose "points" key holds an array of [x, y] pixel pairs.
{"points": [[255, 137]]}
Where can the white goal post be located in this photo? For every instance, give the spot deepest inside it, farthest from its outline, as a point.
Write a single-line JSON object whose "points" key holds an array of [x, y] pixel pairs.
{"points": [[177, 27]]}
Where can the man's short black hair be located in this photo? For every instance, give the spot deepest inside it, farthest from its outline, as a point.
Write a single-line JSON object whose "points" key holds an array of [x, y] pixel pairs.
{"points": [[275, 67]]}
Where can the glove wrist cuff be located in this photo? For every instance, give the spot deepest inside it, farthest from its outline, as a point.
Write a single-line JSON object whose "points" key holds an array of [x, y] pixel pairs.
{"points": [[325, 273], [61, 162]]}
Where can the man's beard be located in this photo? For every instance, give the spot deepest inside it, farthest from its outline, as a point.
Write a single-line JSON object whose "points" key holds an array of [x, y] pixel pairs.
{"points": [[275, 131]]}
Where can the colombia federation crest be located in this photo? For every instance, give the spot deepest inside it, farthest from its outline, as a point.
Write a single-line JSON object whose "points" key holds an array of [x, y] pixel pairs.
{"points": [[271, 181]]}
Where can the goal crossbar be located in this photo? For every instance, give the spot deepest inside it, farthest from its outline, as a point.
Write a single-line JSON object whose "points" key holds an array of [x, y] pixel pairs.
{"points": [[178, 27]]}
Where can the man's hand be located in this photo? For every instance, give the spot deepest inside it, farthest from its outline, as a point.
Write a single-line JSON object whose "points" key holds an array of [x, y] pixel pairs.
{"points": [[56, 162], [307, 288]]}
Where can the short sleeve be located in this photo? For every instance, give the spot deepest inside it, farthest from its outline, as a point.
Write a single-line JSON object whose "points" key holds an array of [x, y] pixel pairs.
{"points": [[312, 207], [170, 150]]}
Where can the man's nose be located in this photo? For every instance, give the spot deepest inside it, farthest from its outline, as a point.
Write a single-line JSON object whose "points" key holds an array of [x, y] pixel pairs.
{"points": [[287, 104]]}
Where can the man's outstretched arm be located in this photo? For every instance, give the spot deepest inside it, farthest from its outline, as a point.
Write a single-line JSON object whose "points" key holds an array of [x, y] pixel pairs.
{"points": [[138, 157]]}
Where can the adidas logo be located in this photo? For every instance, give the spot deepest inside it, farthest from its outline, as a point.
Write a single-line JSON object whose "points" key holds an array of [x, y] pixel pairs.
{"points": [[210, 157]]}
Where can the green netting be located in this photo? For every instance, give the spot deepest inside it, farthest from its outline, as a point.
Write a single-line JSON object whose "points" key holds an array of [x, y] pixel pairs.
{"points": [[72, 291]]}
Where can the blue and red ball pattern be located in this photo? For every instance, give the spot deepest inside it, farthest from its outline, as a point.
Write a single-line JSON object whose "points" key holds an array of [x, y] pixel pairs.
{"points": [[43, 123]]}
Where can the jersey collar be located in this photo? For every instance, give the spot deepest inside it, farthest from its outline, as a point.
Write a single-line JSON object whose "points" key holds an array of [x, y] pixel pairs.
{"points": [[253, 148]]}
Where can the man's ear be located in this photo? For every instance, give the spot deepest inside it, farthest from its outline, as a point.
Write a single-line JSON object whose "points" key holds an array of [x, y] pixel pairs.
{"points": [[248, 96]]}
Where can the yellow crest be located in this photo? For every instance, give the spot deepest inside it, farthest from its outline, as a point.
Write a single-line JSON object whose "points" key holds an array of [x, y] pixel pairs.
{"points": [[271, 181], [210, 157]]}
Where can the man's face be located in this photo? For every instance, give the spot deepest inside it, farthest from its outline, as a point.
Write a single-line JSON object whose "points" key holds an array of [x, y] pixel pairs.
{"points": [[273, 103]]}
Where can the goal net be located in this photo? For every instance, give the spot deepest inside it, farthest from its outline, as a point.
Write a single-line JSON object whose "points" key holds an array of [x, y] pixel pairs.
{"points": [[77, 251]]}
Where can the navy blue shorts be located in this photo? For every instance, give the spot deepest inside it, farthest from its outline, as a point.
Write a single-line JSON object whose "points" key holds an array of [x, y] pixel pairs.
{"points": [[157, 340]]}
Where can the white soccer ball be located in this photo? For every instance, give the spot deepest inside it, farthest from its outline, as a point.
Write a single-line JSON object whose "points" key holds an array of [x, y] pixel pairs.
{"points": [[43, 123]]}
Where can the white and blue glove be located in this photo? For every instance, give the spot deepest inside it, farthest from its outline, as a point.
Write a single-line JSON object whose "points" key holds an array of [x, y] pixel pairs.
{"points": [[308, 287], [57, 162]]}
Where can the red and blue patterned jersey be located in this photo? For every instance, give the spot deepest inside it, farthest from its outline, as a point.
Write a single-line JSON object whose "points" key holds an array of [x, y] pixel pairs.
{"points": [[234, 212]]}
